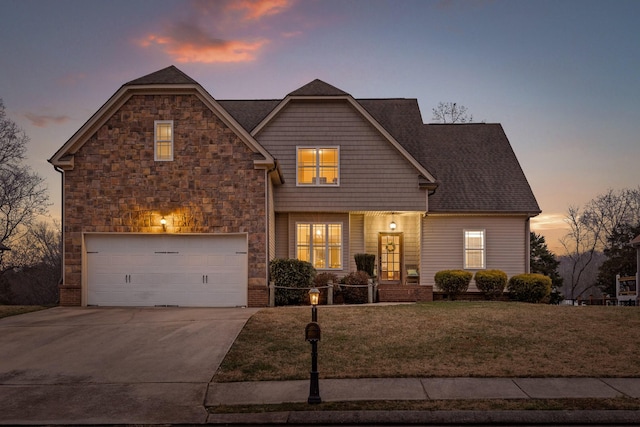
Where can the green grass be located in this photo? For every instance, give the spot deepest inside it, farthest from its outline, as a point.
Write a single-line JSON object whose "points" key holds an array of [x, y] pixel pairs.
{"points": [[442, 339], [621, 403], [14, 310]]}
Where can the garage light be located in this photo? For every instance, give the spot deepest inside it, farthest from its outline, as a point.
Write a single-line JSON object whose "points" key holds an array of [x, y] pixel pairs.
{"points": [[164, 224]]}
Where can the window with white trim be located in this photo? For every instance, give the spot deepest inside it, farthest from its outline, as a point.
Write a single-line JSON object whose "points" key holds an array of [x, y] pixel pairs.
{"points": [[474, 249], [163, 140], [320, 244], [318, 166]]}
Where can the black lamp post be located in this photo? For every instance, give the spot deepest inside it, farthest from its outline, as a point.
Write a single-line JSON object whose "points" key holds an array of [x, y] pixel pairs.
{"points": [[312, 334]]}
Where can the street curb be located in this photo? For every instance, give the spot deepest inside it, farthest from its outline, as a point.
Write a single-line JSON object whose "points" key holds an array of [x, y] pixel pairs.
{"points": [[519, 417]]}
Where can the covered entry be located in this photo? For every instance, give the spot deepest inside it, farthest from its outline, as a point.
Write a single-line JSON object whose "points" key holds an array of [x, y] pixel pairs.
{"points": [[166, 270]]}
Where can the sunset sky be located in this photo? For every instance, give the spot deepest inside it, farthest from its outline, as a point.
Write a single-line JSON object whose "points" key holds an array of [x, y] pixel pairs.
{"points": [[562, 77]]}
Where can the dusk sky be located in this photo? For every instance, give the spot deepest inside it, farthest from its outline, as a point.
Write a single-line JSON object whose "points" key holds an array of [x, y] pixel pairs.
{"points": [[562, 77]]}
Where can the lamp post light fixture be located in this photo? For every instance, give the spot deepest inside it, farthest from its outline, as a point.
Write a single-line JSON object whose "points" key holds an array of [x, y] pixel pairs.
{"points": [[312, 334], [163, 222]]}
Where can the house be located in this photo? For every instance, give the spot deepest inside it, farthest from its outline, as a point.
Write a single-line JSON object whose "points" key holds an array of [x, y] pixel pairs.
{"points": [[172, 197]]}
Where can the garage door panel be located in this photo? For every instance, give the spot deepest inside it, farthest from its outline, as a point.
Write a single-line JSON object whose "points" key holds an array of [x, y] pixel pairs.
{"points": [[148, 270]]}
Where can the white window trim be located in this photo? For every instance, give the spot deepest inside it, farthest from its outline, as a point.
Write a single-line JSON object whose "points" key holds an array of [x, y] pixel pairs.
{"points": [[317, 183], [341, 224], [484, 248], [155, 140]]}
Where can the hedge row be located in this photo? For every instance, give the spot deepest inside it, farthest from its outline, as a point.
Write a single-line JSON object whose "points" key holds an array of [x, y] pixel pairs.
{"points": [[534, 288]]}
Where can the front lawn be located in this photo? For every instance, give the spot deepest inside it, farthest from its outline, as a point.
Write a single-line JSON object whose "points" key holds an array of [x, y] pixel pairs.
{"points": [[13, 310], [442, 339]]}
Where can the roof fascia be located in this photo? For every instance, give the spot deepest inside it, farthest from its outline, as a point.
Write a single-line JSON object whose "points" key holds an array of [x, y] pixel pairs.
{"points": [[358, 108], [526, 214], [63, 158]]}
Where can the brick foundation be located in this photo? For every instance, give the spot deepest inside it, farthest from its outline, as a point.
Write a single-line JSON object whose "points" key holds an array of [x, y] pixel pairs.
{"points": [[258, 296], [405, 293], [70, 296]]}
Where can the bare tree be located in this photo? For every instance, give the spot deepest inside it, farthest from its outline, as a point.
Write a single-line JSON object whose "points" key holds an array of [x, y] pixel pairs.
{"points": [[36, 266], [23, 195], [451, 112], [589, 233]]}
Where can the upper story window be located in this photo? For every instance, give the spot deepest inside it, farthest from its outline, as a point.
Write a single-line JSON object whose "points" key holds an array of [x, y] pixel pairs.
{"points": [[163, 140], [474, 249], [318, 166], [320, 244]]}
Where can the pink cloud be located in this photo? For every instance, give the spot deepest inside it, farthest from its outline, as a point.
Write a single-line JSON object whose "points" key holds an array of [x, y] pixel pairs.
{"points": [[43, 120], [257, 9], [190, 43], [193, 40]]}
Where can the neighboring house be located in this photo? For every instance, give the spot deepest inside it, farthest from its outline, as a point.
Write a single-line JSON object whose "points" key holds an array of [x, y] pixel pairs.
{"points": [[172, 197]]}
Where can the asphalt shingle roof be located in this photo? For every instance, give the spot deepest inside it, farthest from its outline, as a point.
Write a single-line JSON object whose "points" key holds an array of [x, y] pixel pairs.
{"points": [[169, 75], [474, 164]]}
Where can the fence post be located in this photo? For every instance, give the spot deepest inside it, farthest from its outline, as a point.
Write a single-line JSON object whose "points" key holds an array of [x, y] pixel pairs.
{"points": [[330, 293], [272, 294]]}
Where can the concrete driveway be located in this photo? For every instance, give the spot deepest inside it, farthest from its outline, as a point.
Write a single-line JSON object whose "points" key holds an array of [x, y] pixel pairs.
{"points": [[112, 365]]}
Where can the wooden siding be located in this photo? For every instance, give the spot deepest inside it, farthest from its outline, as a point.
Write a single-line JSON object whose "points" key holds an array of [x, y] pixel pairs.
{"points": [[442, 249], [407, 224], [282, 235], [356, 238], [373, 174]]}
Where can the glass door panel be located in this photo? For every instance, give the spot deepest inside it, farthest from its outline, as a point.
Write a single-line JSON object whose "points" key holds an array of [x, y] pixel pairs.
{"points": [[390, 256]]}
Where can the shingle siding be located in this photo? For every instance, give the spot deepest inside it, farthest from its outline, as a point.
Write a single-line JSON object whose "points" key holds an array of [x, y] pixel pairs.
{"points": [[373, 174]]}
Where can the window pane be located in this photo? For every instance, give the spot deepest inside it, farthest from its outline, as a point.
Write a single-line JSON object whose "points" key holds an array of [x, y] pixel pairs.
{"points": [[307, 166], [163, 141], [474, 249], [320, 244], [319, 257], [328, 166], [163, 132]]}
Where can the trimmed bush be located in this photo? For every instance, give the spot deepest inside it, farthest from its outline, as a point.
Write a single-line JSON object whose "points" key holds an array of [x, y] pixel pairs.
{"points": [[292, 273], [453, 282], [532, 287], [322, 280], [365, 262], [491, 283], [353, 295]]}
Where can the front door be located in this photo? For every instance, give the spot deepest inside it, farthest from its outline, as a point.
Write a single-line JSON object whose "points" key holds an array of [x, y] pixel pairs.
{"points": [[390, 256]]}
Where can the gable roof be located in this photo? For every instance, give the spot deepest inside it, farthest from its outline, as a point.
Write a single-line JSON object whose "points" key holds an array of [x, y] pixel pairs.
{"points": [[167, 76], [168, 80], [477, 170], [636, 242], [318, 88]]}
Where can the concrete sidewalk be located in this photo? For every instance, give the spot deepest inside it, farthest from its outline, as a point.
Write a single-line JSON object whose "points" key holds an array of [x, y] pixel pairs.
{"points": [[371, 389]]}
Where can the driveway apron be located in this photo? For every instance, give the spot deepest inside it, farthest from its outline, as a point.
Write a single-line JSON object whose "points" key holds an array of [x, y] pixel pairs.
{"points": [[113, 365]]}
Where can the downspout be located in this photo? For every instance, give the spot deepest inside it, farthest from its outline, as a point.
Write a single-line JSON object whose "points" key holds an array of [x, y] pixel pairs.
{"points": [[527, 249], [267, 239], [62, 255]]}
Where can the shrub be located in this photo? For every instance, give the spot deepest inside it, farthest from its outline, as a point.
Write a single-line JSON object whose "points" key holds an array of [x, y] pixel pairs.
{"points": [[491, 282], [453, 282], [356, 295], [365, 262], [292, 273], [321, 280], [531, 287]]}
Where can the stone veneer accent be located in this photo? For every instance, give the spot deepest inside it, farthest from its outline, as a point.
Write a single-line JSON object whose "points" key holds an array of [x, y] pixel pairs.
{"points": [[211, 186]]}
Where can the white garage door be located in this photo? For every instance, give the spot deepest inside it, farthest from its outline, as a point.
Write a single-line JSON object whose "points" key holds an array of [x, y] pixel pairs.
{"points": [[172, 270]]}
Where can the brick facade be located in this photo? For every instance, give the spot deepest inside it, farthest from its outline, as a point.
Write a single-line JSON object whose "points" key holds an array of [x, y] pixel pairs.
{"points": [[211, 186], [405, 293]]}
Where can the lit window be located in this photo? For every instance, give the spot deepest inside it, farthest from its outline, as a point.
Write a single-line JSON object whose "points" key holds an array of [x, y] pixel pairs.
{"points": [[318, 165], [320, 244], [163, 140], [474, 249]]}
